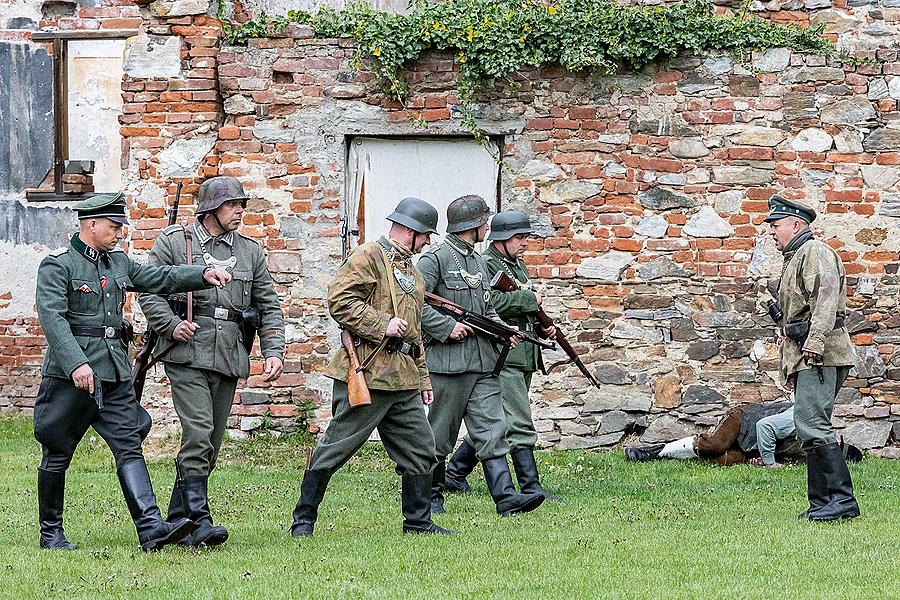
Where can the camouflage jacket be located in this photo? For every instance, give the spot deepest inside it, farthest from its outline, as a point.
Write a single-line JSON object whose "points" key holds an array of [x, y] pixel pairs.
{"points": [[359, 299], [515, 307], [218, 344], [814, 288], [79, 286], [442, 267]]}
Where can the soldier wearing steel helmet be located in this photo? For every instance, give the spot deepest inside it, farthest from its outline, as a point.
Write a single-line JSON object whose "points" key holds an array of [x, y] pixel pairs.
{"points": [[377, 296], [509, 240], [462, 363], [206, 356], [81, 291], [816, 353]]}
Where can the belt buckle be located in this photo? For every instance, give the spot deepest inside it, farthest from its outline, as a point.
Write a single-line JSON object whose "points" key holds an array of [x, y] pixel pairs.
{"points": [[220, 313], [110, 332]]}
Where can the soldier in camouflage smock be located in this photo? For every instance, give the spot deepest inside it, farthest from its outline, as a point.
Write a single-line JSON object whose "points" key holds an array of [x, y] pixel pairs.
{"points": [[81, 291], [509, 240], [204, 358], [377, 297], [462, 363], [816, 353]]}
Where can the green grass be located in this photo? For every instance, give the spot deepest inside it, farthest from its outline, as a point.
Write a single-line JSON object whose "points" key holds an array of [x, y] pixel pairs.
{"points": [[624, 530]]}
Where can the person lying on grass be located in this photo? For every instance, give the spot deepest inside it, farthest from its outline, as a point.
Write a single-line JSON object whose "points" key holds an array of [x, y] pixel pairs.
{"points": [[760, 434]]}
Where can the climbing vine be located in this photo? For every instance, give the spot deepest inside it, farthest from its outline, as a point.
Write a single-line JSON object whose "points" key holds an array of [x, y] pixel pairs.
{"points": [[497, 38]]}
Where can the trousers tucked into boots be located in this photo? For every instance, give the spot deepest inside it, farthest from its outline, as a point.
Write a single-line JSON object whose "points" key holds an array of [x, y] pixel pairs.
{"points": [[190, 498], [833, 468], [461, 466], [51, 491], [416, 502], [438, 484], [312, 491], [153, 532], [816, 490], [527, 474], [499, 482]]}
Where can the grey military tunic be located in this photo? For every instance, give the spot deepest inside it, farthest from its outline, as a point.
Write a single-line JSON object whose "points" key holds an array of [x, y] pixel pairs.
{"points": [[79, 287], [205, 370], [461, 372]]}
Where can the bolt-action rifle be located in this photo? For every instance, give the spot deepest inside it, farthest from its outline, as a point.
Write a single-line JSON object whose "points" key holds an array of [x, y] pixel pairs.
{"points": [[504, 283], [357, 389], [498, 333], [144, 358]]}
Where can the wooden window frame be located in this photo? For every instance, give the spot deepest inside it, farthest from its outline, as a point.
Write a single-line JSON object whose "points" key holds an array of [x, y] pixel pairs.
{"points": [[60, 41]]}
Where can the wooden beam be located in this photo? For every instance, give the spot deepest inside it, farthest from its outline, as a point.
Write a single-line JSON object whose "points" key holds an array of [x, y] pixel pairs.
{"points": [[83, 34]]}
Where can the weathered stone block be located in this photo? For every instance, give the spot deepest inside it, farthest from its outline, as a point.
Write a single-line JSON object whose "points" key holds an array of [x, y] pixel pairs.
{"points": [[608, 267], [687, 148], [149, 56], [667, 429], [883, 138], [701, 394], [849, 112], [609, 373], [703, 349], [867, 434], [178, 8], [741, 176], [631, 398], [667, 391], [659, 268], [812, 139], [707, 223], [658, 198]]}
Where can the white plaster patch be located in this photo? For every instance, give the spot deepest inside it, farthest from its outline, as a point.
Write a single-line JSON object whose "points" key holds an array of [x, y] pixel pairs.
{"points": [[183, 156], [149, 56], [18, 268]]}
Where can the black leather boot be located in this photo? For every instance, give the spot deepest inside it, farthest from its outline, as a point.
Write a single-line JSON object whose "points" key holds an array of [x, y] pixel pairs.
{"points": [[643, 454], [416, 502], [196, 500], [438, 484], [51, 491], [816, 490], [153, 532], [841, 503], [507, 499], [527, 474], [312, 490], [461, 466]]}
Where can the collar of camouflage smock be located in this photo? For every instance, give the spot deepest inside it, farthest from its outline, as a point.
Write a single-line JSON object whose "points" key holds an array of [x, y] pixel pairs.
{"points": [[404, 252], [203, 235], [89, 252], [800, 239], [461, 246]]}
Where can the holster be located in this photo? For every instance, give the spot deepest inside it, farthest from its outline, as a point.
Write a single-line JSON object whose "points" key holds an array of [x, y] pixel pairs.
{"points": [[127, 332], [249, 326], [178, 304]]}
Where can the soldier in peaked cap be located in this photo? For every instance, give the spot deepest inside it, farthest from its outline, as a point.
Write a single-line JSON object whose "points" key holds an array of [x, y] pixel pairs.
{"points": [[509, 240], [81, 291], [462, 364], [206, 356], [377, 296], [816, 352]]}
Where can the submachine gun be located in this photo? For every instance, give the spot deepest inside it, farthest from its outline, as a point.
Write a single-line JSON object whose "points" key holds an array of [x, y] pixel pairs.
{"points": [[498, 333], [504, 283]]}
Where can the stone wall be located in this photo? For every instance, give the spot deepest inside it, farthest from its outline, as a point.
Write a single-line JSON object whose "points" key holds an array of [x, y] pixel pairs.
{"points": [[649, 190]]}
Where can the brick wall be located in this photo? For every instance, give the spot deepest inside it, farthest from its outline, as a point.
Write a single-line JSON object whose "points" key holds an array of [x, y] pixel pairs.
{"points": [[649, 191]]}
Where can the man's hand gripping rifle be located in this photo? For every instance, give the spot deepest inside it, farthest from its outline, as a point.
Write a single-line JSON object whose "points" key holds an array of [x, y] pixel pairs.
{"points": [[499, 333]]}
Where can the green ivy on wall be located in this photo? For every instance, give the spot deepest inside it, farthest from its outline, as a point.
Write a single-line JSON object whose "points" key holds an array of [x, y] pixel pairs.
{"points": [[497, 38]]}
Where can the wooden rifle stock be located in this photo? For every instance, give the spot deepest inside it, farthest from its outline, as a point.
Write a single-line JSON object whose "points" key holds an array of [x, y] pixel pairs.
{"points": [[357, 390], [143, 360], [504, 283]]}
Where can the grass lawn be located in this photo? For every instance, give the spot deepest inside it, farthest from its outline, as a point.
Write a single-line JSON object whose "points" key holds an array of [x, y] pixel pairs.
{"points": [[653, 530]]}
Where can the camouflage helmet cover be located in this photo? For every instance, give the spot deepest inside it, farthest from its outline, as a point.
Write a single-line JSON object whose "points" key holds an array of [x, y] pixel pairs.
{"points": [[216, 191]]}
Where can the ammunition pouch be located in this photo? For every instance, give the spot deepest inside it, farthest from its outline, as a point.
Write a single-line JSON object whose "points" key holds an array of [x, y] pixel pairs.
{"points": [[178, 304], [774, 310]]}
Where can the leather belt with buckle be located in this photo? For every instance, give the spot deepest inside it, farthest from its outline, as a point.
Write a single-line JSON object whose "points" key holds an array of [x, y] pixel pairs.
{"points": [[218, 312], [99, 332], [411, 350]]}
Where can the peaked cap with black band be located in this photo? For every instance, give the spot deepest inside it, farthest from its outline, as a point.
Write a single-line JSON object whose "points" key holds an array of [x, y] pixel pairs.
{"points": [[108, 206], [780, 208]]}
